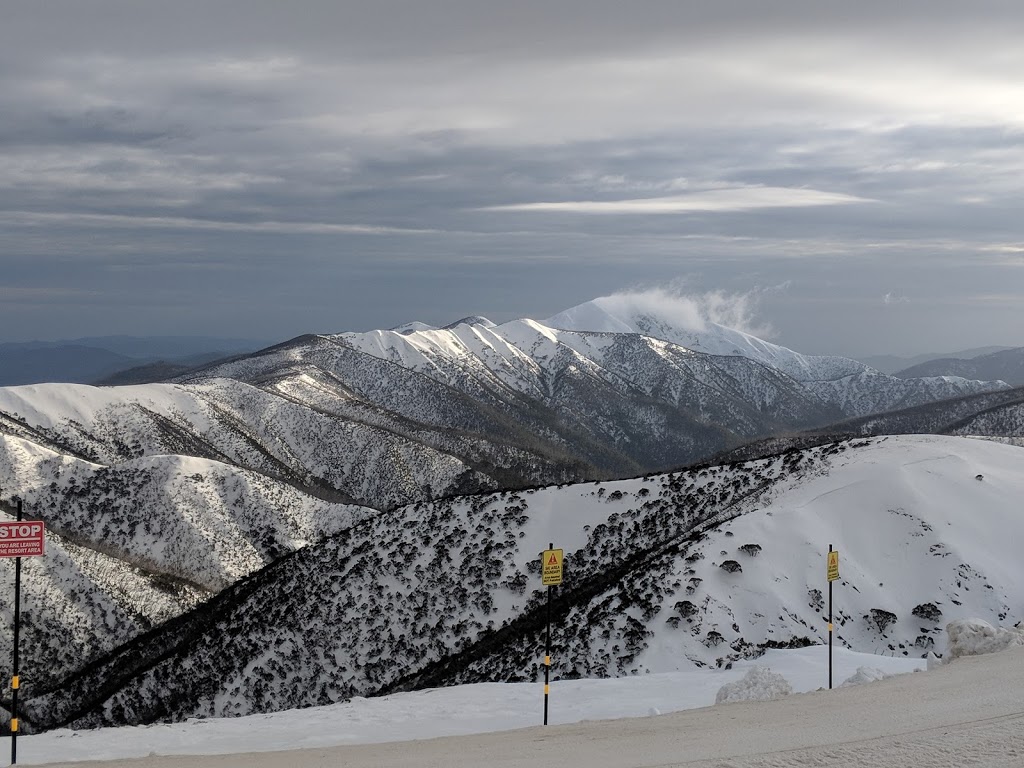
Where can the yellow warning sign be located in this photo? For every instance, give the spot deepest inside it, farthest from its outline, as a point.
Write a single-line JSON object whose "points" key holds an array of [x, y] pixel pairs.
{"points": [[551, 567], [833, 565]]}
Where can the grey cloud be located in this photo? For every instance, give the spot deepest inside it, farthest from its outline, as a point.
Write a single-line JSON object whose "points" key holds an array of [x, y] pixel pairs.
{"points": [[414, 28], [326, 165]]}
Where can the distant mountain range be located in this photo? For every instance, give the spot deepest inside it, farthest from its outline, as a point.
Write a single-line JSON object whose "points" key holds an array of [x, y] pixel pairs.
{"points": [[1005, 365], [105, 359], [159, 496], [895, 363]]}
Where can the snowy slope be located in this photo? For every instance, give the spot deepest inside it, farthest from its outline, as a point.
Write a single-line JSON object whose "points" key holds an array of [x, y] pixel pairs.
{"points": [[136, 544], [455, 710], [197, 520], [391, 417], [854, 387], [263, 430], [637, 314], [965, 713], [79, 602], [447, 591], [204, 481]]}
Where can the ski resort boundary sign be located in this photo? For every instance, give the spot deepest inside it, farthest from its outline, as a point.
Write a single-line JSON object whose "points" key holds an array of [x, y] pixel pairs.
{"points": [[22, 539], [551, 572], [832, 572]]}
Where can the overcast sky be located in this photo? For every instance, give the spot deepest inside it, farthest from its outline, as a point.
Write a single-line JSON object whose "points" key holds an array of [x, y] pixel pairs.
{"points": [[853, 171]]}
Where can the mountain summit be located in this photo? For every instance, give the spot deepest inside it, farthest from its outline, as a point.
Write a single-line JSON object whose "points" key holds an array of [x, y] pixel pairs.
{"points": [[659, 316]]}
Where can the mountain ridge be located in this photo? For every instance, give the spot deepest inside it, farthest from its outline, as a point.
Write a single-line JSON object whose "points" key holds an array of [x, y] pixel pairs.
{"points": [[694, 567], [344, 428], [1006, 365]]}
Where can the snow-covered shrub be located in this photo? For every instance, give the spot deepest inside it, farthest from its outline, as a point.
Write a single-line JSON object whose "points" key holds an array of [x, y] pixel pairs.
{"points": [[880, 618], [974, 637], [685, 608], [815, 599], [928, 611], [759, 684]]}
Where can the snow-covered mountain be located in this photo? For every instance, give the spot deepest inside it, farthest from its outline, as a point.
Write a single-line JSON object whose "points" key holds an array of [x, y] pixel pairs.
{"points": [[1005, 364], [643, 314], [699, 567], [390, 417], [856, 388], [135, 544], [199, 482]]}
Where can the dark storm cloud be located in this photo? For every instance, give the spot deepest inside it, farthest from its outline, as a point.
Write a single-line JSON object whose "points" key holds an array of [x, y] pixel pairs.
{"points": [[334, 165]]}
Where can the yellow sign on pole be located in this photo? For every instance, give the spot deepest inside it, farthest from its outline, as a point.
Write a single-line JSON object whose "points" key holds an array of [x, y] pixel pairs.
{"points": [[551, 567], [833, 565]]}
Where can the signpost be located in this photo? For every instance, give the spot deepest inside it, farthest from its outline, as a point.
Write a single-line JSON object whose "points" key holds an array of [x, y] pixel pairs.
{"points": [[832, 574], [19, 539], [551, 576], [22, 539]]}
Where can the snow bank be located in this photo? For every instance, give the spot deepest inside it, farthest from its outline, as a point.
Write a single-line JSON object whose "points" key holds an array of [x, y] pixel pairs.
{"points": [[759, 684], [864, 675], [974, 637]]}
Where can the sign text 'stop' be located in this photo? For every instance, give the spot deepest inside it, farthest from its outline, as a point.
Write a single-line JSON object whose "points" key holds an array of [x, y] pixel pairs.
{"points": [[25, 538]]}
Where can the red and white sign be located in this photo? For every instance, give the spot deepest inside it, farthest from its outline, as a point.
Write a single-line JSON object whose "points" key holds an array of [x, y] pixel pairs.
{"points": [[22, 539]]}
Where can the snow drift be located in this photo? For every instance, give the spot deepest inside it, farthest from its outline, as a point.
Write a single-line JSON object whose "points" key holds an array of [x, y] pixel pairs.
{"points": [[759, 684], [974, 637]]}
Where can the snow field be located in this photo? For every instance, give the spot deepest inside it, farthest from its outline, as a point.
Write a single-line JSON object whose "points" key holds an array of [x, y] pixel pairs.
{"points": [[454, 711], [964, 713]]}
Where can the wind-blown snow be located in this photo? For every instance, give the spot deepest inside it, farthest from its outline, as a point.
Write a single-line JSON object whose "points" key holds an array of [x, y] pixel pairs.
{"points": [[651, 315]]}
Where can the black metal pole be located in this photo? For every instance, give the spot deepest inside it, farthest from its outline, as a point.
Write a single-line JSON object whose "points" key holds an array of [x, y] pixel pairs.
{"points": [[547, 651], [15, 682], [830, 629]]}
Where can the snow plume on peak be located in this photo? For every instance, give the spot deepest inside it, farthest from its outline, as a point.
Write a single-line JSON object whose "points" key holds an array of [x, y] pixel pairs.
{"points": [[633, 311], [683, 312], [715, 323]]}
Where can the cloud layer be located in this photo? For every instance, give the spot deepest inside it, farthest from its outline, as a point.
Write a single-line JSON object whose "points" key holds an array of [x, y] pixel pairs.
{"points": [[715, 200], [233, 166]]}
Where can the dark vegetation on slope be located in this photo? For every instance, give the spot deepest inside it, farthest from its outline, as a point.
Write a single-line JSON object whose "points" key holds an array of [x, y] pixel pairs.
{"points": [[944, 417], [342, 425], [380, 608], [991, 413]]}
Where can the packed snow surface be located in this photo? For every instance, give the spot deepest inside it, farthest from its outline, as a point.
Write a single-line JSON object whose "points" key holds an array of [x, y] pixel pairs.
{"points": [[965, 713], [458, 710]]}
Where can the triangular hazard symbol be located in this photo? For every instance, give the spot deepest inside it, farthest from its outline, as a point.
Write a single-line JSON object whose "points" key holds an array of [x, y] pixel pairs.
{"points": [[553, 560]]}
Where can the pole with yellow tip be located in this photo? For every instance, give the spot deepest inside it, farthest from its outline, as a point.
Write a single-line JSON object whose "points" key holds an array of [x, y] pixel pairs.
{"points": [[547, 650], [15, 679]]}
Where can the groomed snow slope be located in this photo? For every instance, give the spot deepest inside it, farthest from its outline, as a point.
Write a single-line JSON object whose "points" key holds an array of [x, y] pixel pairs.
{"points": [[965, 713]]}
